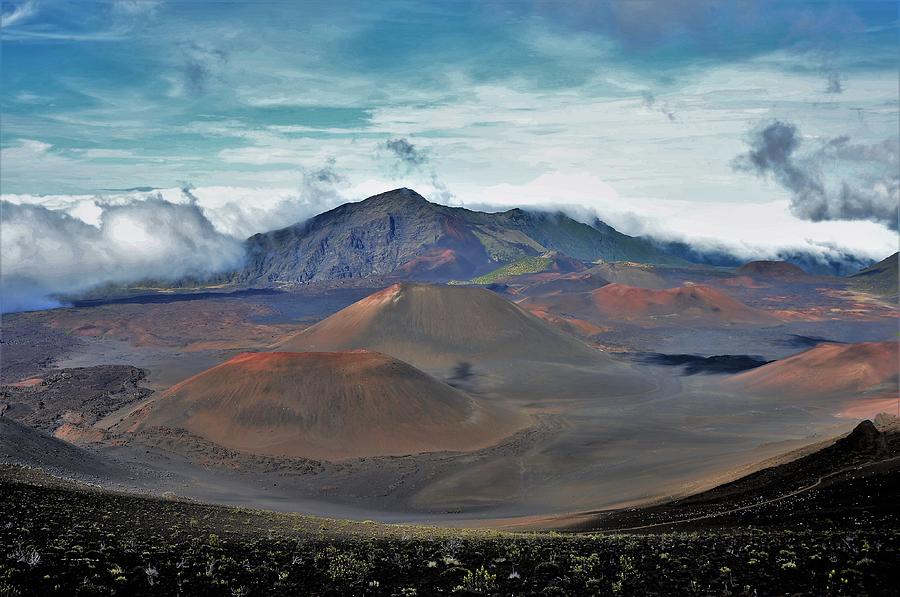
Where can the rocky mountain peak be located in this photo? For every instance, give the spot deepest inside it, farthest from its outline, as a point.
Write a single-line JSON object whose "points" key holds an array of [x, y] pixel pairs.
{"points": [[402, 197]]}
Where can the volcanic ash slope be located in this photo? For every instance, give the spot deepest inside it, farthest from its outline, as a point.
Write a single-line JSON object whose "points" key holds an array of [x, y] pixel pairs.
{"points": [[857, 379], [435, 326], [328, 405]]}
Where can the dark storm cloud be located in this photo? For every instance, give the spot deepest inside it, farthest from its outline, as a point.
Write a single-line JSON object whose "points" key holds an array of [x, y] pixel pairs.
{"points": [[326, 174], [772, 152], [648, 22], [407, 159], [868, 191], [199, 63], [651, 103], [407, 154], [195, 74]]}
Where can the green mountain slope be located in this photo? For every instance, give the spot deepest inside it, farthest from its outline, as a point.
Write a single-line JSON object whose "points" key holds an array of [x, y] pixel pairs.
{"points": [[880, 278]]}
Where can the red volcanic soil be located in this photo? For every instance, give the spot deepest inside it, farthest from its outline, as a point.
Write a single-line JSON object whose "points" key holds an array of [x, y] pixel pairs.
{"points": [[436, 326], [829, 370], [781, 270], [563, 263], [327, 405], [436, 264], [744, 282], [457, 255], [695, 302], [583, 281], [572, 325]]}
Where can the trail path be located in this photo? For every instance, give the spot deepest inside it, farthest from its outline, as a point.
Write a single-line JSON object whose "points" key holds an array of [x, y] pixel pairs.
{"points": [[747, 507]]}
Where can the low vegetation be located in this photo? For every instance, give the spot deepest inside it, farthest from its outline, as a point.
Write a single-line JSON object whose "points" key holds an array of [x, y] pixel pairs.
{"points": [[61, 540], [527, 265]]}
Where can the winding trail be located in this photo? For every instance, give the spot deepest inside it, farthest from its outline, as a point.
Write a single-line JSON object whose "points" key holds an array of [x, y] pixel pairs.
{"points": [[749, 506]]}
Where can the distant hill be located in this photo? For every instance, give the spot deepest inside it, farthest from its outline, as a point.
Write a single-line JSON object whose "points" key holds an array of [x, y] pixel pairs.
{"points": [[844, 370], [696, 303], [583, 281], [779, 270], [400, 234], [847, 380], [631, 274], [880, 279]]}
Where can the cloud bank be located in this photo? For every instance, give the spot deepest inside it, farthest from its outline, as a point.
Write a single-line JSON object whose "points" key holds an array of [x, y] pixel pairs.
{"points": [[723, 232], [243, 212], [54, 245], [868, 180], [48, 253]]}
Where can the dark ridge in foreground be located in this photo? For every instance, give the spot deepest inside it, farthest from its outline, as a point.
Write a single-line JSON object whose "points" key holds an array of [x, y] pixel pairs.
{"points": [[857, 475], [58, 539], [25, 446]]}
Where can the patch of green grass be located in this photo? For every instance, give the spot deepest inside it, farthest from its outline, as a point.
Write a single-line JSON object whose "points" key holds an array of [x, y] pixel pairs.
{"points": [[528, 265]]}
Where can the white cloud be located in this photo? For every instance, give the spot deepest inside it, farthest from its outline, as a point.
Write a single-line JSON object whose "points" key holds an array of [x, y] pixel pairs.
{"points": [[238, 212], [17, 13], [32, 146], [108, 154], [48, 252], [137, 8]]}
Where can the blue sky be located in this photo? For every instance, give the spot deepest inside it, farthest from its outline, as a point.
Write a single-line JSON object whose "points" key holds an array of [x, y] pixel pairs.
{"points": [[636, 111]]}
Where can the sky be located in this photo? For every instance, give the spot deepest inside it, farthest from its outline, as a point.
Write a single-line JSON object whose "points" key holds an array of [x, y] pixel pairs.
{"points": [[756, 126]]}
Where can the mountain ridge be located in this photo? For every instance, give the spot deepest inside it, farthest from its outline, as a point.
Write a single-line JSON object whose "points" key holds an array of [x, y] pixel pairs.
{"points": [[400, 234]]}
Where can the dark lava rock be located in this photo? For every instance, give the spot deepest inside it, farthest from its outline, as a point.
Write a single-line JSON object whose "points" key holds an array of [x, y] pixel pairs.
{"points": [[864, 438]]}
